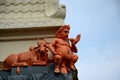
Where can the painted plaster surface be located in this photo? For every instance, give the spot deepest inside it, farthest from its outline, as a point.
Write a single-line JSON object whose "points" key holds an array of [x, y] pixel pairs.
{"points": [[31, 13]]}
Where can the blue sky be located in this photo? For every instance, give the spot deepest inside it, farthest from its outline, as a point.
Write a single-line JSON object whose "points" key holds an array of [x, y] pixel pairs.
{"points": [[98, 22]]}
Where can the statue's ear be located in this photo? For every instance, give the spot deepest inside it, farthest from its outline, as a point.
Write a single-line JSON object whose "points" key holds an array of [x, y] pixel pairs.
{"points": [[45, 40], [38, 40]]}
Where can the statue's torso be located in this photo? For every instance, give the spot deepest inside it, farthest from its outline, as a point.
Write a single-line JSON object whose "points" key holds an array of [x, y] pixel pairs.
{"points": [[63, 47]]}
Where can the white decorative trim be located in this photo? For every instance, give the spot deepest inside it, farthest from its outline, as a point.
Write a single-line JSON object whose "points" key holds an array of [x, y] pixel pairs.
{"points": [[28, 23], [31, 13]]}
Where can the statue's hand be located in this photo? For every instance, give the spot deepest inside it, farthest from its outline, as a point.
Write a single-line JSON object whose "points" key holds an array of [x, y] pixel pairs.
{"points": [[74, 41], [55, 53], [78, 37]]}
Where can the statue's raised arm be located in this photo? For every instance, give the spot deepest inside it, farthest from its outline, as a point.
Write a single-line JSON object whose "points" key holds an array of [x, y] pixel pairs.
{"points": [[73, 42]]}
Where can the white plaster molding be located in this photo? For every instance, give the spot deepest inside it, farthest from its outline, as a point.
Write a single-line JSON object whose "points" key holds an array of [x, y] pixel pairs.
{"points": [[31, 13], [30, 23]]}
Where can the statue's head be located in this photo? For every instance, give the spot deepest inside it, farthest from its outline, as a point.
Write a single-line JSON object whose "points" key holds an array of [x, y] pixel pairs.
{"points": [[31, 48], [42, 44], [63, 31]]}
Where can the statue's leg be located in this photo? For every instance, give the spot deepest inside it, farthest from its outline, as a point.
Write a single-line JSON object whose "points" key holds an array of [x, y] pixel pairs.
{"points": [[63, 67], [18, 70], [57, 62], [73, 61], [23, 64]]}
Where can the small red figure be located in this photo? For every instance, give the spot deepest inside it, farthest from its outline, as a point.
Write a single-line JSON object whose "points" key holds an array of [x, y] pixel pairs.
{"points": [[63, 53], [35, 56]]}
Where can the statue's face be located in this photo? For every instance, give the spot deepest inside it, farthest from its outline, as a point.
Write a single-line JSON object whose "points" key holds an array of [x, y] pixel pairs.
{"points": [[65, 32]]}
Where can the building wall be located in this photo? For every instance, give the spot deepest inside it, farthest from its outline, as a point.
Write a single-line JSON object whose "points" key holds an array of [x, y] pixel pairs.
{"points": [[19, 40], [23, 21]]}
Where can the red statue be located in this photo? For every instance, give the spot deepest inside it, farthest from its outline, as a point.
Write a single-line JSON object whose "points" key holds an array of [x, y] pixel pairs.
{"points": [[62, 48], [43, 53], [63, 53], [35, 56]]}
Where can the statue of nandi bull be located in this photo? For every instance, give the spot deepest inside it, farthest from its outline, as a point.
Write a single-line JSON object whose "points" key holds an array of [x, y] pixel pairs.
{"points": [[35, 56]]}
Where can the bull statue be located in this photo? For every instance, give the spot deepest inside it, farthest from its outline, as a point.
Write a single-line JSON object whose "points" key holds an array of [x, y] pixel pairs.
{"points": [[35, 56]]}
